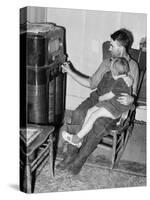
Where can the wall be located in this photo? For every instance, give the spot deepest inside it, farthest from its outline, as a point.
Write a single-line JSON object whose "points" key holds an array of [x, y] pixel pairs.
{"points": [[33, 14], [85, 33]]}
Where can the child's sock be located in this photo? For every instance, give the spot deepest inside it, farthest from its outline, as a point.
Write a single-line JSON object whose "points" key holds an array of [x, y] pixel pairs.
{"points": [[73, 139]]}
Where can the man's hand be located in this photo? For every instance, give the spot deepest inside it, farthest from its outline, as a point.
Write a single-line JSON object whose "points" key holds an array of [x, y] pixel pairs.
{"points": [[66, 67], [84, 81], [125, 99]]}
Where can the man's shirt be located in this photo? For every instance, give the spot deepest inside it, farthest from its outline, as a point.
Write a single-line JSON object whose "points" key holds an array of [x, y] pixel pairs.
{"points": [[105, 67]]}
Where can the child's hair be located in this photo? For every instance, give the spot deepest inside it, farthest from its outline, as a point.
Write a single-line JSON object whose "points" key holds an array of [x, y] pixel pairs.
{"points": [[121, 65]]}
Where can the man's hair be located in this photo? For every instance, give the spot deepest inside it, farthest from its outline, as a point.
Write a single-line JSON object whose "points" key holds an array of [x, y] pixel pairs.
{"points": [[121, 65], [124, 37]]}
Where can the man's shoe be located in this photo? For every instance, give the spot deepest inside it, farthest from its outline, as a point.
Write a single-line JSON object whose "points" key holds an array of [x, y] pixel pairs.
{"points": [[69, 157], [61, 165], [74, 170]]}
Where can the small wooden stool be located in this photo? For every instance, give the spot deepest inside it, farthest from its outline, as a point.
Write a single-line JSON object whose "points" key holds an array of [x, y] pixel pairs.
{"points": [[36, 148]]}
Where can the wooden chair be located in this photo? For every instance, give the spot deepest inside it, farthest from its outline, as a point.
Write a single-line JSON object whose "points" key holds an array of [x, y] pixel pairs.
{"points": [[119, 135]]}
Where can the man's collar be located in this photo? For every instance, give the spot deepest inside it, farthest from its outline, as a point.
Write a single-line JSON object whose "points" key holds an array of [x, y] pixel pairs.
{"points": [[127, 57]]}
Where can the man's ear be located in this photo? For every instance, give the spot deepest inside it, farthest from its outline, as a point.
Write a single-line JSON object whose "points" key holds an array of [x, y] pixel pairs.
{"points": [[122, 50]]}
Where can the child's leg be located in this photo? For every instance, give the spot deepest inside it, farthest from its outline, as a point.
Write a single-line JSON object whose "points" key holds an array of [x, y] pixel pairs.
{"points": [[99, 112], [89, 112], [74, 139]]}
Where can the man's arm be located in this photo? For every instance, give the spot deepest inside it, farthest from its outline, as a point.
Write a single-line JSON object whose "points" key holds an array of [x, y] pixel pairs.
{"points": [[81, 80], [92, 81], [107, 96], [135, 75], [98, 75]]}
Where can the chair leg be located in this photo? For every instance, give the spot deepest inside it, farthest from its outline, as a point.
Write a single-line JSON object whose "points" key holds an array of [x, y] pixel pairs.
{"points": [[124, 141], [128, 134], [119, 144], [28, 178], [114, 150], [119, 150], [51, 159]]}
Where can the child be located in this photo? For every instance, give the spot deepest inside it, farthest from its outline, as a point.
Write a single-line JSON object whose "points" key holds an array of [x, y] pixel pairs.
{"points": [[113, 83]]}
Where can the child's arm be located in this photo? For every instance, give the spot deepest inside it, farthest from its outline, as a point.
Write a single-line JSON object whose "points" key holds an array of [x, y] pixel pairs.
{"points": [[120, 87], [129, 80], [107, 96]]}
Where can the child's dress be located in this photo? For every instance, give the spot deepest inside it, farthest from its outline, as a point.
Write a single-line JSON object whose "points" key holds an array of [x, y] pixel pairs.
{"points": [[107, 84]]}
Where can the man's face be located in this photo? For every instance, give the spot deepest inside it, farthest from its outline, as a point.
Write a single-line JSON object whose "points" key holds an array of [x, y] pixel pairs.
{"points": [[115, 48]]}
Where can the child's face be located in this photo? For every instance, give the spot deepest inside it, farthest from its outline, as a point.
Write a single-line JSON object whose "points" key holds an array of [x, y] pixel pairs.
{"points": [[114, 70]]}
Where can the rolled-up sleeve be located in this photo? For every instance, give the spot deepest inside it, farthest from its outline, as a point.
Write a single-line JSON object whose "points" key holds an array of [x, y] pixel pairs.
{"points": [[134, 72], [98, 75]]}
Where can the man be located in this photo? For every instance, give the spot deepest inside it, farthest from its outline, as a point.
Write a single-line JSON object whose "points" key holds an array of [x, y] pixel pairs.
{"points": [[120, 43]]}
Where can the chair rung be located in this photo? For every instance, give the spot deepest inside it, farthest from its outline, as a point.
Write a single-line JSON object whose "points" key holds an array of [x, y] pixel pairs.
{"points": [[118, 149], [108, 139], [105, 146], [119, 140]]}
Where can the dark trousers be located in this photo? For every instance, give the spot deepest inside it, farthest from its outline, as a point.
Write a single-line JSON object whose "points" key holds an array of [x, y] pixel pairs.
{"points": [[91, 140]]}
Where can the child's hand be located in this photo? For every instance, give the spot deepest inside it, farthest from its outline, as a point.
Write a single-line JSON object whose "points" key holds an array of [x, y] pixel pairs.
{"points": [[106, 96]]}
